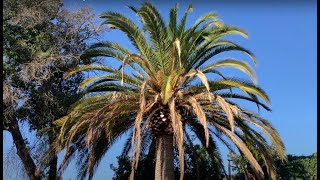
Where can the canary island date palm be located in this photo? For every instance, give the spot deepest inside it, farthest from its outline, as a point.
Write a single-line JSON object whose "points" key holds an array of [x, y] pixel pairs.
{"points": [[171, 83]]}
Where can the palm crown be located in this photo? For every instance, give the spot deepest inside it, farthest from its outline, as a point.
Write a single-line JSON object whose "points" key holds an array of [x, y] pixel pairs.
{"points": [[157, 92]]}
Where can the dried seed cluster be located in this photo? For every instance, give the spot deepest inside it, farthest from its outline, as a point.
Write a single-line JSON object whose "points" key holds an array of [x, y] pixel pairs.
{"points": [[161, 122]]}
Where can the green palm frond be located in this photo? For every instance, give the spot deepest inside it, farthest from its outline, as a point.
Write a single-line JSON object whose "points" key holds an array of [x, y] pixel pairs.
{"points": [[202, 19], [242, 66], [90, 53], [110, 45], [119, 21], [215, 72], [182, 25], [107, 87], [172, 24], [215, 50], [243, 85], [238, 96], [223, 30], [155, 26], [89, 68]]}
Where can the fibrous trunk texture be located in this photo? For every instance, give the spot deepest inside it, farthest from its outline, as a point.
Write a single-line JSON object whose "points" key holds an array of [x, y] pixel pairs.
{"points": [[161, 122], [164, 158]]}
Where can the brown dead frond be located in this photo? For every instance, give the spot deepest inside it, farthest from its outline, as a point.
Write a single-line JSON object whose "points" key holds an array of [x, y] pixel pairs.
{"points": [[89, 135], [92, 156], [74, 131], [271, 134], [178, 133], [227, 108], [175, 46], [203, 78], [197, 109], [243, 148], [136, 137], [156, 98], [236, 111]]}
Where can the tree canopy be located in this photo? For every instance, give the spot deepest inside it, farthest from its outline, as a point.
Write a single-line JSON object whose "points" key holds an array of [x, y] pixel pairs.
{"points": [[297, 167], [165, 91], [42, 40]]}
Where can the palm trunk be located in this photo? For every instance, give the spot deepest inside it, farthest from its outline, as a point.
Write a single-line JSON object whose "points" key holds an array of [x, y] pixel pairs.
{"points": [[164, 158], [23, 151]]}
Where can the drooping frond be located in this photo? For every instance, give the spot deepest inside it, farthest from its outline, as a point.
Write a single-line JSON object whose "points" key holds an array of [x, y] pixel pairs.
{"points": [[229, 111], [94, 52], [259, 142], [245, 86], [178, 132], [207, 53], [244, 150], [253, 98], [244, 67], [200, 116], [273, 134], [203, 78], [223, 30], [89, 68], [136, 131], [212, 146]]}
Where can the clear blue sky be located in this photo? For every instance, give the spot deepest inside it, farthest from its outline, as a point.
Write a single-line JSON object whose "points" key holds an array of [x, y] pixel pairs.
{"points": [[283, 38]]}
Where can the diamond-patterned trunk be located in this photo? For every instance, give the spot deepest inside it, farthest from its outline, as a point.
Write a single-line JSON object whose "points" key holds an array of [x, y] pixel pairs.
{"points": [[164, 158], [161, 122]]}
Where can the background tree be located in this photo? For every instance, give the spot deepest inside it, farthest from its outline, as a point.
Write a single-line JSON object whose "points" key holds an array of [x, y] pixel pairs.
{"points": [[296, 167], [41, 41]]}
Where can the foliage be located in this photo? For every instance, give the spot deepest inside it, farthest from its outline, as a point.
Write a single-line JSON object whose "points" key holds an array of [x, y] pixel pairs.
{"points": [[157, 91], [41, 42], [22, 41], [144, 171], [296, 167], [39, 49]]}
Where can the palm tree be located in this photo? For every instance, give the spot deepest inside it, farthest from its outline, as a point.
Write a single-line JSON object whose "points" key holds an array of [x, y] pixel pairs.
{"points": [[157, 91]]}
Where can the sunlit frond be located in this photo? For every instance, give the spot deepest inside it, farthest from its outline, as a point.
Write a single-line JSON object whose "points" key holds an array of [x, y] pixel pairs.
{"points": [[242, 66], [244, 150]]}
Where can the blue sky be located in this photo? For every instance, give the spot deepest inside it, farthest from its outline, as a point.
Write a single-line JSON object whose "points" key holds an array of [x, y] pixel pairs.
{"points": [[283, 38]]}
